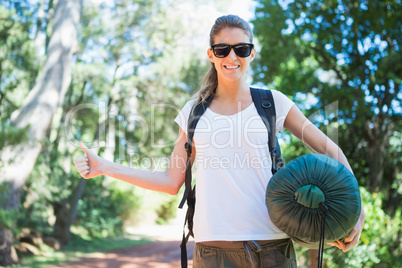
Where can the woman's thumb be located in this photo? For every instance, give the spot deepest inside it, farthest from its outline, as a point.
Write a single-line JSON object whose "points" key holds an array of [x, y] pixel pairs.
{"points": [[83, 147]]}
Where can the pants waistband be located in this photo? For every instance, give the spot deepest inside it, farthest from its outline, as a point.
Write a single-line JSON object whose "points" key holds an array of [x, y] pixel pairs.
{"points": [[234, 244]]}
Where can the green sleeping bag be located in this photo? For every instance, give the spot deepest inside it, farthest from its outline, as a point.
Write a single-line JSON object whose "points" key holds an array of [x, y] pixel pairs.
{"points": [[298, 194]]}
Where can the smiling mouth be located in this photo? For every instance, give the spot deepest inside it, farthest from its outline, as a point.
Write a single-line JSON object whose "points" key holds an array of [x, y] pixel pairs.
{"points": [[231, 67]]}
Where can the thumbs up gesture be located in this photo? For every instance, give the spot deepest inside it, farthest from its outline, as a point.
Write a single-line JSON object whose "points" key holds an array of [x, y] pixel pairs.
{"points": [[90, 165]]}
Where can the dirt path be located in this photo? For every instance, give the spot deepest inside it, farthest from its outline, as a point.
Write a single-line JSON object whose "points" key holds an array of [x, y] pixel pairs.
{"points": [[163, 252], [160, 254]]}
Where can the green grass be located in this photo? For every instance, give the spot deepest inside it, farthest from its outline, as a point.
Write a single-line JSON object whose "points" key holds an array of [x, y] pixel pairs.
{"points": [[78, 247]]}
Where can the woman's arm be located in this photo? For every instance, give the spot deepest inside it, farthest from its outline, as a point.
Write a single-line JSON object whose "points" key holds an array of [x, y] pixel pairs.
{"points": [[168, 181], [308, 133], [304, 130]]}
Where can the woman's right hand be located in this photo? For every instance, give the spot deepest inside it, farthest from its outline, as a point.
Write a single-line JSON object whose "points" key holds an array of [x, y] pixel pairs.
{"points": [[90, 165]]}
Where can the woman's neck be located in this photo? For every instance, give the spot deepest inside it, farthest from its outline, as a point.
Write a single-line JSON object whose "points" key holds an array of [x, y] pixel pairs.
{"points": [[232, 91]]}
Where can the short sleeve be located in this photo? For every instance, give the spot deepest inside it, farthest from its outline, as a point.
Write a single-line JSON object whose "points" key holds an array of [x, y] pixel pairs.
{"points": [[282, 108], [182, 118]]}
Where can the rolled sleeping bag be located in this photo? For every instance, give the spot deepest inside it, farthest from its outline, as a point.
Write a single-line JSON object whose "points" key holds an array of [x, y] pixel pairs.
{"points": [[299, 193]]}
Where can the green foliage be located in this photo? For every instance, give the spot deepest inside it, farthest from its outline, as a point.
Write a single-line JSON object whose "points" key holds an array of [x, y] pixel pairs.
{"points": [[347, 54], [9, 135], [292, 148], [167, 209], [19, 60], [7, 217], [37, 199], [102, 211], [380, 241]]}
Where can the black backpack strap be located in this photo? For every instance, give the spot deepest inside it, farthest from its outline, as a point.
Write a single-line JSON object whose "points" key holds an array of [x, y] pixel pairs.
{"points": [[196, 112], [265, 104], [189, 194]]}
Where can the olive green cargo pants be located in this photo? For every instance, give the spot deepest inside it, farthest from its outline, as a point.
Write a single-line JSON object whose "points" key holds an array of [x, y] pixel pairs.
{"points": [[275, 253]]}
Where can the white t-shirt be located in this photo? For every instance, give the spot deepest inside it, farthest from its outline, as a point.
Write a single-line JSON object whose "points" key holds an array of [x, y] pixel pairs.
{"points": [[233, 168]]}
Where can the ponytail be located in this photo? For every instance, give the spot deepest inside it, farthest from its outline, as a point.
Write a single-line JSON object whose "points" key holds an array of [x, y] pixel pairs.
{"points": [[209, 84]]}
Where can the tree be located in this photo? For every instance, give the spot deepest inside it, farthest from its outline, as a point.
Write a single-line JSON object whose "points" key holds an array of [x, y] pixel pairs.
{"points": [[343, 51], [37, 111], [347, 54]]}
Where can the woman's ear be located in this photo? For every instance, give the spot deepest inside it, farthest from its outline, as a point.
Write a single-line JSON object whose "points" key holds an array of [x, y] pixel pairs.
{"points": [[210, 55], [252, 55]]}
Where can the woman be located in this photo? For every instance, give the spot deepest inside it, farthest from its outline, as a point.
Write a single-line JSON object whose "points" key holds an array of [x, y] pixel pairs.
{"points": [[230, 144]]}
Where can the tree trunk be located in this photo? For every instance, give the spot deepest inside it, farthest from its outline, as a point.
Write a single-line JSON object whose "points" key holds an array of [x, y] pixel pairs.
{"points": [[377, 138], [66, 212], [38, 109], [376, 162], [74, 204], [60, 211], [9, 253]]}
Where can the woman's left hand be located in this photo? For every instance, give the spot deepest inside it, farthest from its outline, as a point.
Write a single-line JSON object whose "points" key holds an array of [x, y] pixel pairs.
{"points": [[354, 236]]}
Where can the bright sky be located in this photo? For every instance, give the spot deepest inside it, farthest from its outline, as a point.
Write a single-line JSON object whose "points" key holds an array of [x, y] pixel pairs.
{"points": [[208, 14], [243, 8]]}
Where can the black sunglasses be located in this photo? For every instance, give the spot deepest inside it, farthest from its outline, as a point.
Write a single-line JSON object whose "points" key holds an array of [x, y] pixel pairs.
{"points": [[243, 50]]}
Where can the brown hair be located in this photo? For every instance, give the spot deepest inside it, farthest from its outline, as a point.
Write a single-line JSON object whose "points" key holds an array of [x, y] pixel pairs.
{"points": [[210, 81]]}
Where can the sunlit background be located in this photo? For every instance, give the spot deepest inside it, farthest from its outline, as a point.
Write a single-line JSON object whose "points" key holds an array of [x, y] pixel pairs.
{"points": [[114, 74]]}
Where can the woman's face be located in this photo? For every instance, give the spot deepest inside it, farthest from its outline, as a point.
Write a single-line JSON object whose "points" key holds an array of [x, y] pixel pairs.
{"points": [[232, 67]]}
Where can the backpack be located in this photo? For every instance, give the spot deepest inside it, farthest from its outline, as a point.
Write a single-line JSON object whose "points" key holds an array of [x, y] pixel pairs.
{"points": [[264, 102]]}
